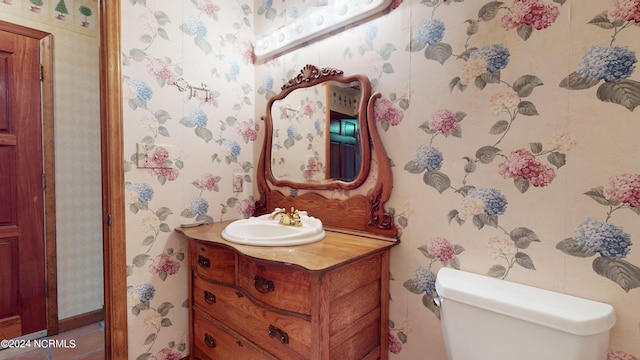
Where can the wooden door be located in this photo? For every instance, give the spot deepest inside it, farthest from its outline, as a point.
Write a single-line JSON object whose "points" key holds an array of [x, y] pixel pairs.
{"points": [[22, 247]]}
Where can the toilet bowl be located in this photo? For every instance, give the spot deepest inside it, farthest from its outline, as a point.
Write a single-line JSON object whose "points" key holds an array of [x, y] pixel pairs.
{"points": [[489, 319]]}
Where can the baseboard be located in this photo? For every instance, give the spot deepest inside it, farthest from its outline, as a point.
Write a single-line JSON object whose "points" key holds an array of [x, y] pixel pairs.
{"points": [[81, 320]]}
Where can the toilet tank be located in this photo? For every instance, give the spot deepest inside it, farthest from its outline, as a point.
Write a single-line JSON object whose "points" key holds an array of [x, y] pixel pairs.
{"points": [[486, 318]]}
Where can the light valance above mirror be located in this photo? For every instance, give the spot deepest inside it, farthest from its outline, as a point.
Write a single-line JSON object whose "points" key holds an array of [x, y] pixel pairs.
{"points": [[321, 137], [319, 18]]}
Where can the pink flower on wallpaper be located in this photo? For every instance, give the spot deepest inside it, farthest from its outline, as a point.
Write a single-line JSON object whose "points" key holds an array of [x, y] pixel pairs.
{"points": [[168, 354], [395, 4], [385, 111], [246, 207], [444, 121], [158, 156], [311, 169], [530, 12], [248, 131], [619, 355], [624, 10], [208, 7], [164, 264], [169, 174], [395, 346], [160, 69], [208, 181], [309, 108], [521, 164], [442, 249], [624, 188]]}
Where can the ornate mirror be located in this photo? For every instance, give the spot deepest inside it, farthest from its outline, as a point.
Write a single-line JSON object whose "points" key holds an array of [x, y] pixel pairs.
{"points": [[321, 140]]}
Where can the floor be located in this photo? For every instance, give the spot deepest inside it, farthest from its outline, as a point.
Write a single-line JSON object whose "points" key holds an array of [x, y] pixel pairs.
{"points": [[85, 343]]}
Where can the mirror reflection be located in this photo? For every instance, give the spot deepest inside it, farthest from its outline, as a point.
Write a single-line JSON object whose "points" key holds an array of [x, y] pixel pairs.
{"points": [[316, 133]]}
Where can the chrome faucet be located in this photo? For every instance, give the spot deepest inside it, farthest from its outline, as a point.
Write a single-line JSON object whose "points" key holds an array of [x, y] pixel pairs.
{"points": [[291, 218]]}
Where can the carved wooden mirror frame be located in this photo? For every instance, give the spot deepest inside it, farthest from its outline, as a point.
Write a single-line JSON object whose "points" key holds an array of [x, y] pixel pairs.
{"points": [[362, 214]]}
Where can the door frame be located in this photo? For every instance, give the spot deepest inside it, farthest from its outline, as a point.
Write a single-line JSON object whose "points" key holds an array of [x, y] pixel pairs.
{"points": [[111, 130], [49, 179]]}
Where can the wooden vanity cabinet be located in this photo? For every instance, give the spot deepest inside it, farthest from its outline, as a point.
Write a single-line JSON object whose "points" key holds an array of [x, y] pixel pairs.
{"points": [[326, 300]]}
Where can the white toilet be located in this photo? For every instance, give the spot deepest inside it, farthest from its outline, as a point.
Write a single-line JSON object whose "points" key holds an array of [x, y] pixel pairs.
{"points": [[489, 319]]}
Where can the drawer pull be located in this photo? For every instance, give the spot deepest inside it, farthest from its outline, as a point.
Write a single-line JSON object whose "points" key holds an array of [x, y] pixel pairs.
{"points": [[282, 336], [209, 298], [263, 285], [209, 341], [204, 262]]}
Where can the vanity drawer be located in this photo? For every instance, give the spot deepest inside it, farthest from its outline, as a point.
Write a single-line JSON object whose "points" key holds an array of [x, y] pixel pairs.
{"points": [[288, 336], [283, 287], [213, 262], [213, 342]]}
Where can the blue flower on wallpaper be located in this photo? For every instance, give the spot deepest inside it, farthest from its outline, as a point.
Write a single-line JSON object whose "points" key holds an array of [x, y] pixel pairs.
{"points": [[606, 239], [292, 132], [293, 12], [267, 83], [198, 206], [428, 158], [233, 146], [319, 124], [234, 68], [144, 191], [496, 56], [430, 32], [198, 117], [494, 202], [143, 91], [196, 27], [370, 33], [145, 292], [266, 4], [611, 63], [425, 280]]}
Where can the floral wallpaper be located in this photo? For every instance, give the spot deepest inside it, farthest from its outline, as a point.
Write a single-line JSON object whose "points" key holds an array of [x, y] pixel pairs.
{"points": [[511, 126]]}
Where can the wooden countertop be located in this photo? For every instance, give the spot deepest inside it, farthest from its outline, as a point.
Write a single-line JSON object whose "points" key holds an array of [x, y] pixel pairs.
{"points": [[335, 249]]}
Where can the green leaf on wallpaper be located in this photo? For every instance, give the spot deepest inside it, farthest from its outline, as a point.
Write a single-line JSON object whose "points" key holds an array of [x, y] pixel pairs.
{"points": [[387, 68], [402, 337], [489, 10], [536, 147], [478, 222], [427, 301], [289, 142], [460, 115], [455, 83], [469, 168], [163, 212], [166, 322], [232, 201], [140, 260], [473, 27], [597, 194], [522, 185], [137, 55], [413, 168], [164, 308], [163, 131], [480, 83], [437, 180], [619, 271], [148, 240], [204, 133], [527, 108], [457, 132], [491, 220], [145, 356], [575, 81], [386, 51], [424, 250], [164, 227], [163, 33], [202, 44], [523, 237], [415, 46], [145, 39], [161, 17], [439, 52], [499, 127], [561, 2], [487, 154], [625, 92], [557, 159], [497, 271], [150, 339], [602, 20], [457, 249], [524, 85], [524, 260], [571, 247], [491, 77], [466, 55], [425, 127], [453, 215], [525, 32], [411, 286]]}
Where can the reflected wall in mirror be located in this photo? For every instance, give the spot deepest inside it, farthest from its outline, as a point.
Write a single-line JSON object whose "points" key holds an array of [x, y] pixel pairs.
{"points": [[316, 133], [314, 129], [321, 138]]}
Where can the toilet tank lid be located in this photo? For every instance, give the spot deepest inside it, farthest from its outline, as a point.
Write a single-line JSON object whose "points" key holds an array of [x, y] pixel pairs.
{"points": [[547, 308]]}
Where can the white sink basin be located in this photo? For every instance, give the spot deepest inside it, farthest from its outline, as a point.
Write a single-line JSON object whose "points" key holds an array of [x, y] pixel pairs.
{"points": [[262, 231]]}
